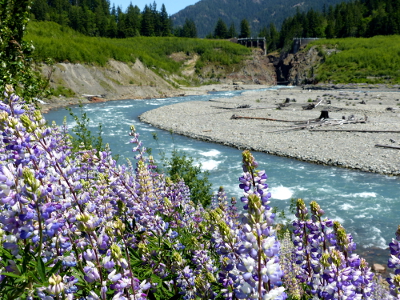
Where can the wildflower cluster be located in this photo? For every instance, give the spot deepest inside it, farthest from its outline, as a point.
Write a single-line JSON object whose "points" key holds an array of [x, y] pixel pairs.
{"points": [[79, 226], [394, 263], [323, 250], [248, 251]]}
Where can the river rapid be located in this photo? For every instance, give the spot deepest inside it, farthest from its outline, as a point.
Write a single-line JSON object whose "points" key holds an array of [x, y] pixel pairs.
{"points": [[366, 204]]}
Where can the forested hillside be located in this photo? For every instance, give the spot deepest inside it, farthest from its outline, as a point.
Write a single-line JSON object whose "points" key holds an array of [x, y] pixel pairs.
{"points": [[362, 18], [99, 18], [205, 13]]}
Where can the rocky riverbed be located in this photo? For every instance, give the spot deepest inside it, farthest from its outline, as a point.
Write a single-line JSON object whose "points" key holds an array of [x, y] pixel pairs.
{"points": [[286, 122]]}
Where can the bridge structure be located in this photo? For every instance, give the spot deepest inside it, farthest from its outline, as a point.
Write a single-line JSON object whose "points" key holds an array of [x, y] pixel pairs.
{"points": [[258, 42]]}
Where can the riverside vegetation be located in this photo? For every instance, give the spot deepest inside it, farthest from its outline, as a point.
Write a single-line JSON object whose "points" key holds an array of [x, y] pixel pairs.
{"points": [[65, 45], [76, 225], [359, 60], [370, 60]]}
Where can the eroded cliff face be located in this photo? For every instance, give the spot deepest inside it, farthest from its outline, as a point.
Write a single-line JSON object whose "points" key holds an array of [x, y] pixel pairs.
{"points": [[299, 68], [118, 80], [115, 80]]}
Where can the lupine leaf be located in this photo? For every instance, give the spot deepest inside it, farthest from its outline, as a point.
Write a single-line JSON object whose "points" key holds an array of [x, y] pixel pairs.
{"points": [[54, 268], [11, 275], [41, 269]]}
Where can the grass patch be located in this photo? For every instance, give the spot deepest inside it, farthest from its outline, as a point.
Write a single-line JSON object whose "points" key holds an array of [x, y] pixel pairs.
{"points": [[360, 60], [65, 45], [62, 91]]}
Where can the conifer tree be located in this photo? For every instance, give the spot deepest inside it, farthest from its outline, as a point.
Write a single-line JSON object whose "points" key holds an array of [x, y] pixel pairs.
{"points": [[273, 38], [40, 9], [188, 30], [121, 23], [244, 29], [147, 23], [132, 21], [220, 31], [165, 22], [232, 31]]}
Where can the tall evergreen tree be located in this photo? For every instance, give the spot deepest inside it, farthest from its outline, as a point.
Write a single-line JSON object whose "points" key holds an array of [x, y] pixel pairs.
{"points": [[101, 21], [273, 38], [220, 31], [188, 30], [232, 31], [165, 22], [121, 23], [40, 9], [147, 23], [132, 21], [112, 29], [244, 29], [156, 20]]}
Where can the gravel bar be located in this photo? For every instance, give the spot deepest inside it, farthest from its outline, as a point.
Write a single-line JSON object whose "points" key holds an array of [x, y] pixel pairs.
{"points": [[291, 134]]}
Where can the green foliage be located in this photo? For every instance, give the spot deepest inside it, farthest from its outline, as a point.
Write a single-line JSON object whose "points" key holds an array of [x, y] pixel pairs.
{"points": [[83, 137], [188, 29], [96, 18], [16, 66], [352, 19], [63, 44], [360, 60], [244, 29], [260, 13], [221, 30], [182, 166], [28, 272], [63, 91], [232, 31]]}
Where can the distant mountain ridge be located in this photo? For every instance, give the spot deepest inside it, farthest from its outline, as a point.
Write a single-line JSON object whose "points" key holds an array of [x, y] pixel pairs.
{"points": [[259, 13]]}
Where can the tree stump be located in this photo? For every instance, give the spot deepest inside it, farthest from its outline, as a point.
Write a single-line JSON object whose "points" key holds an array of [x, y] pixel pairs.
{"points": [[324, 114]]}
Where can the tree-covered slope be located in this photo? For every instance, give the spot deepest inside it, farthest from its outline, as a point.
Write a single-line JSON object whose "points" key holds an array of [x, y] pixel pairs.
{"points": [[259, 13]]}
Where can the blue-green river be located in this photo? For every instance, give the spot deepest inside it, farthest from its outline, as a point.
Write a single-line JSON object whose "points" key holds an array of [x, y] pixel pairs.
{"points": [[368, 205]]}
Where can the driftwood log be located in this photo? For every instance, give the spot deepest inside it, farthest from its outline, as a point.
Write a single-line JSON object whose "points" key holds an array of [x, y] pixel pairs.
{"points": [[234, 117], [387, 146], [356, 130]]}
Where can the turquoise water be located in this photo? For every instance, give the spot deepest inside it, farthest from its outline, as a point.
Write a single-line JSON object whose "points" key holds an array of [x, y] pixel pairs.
{"points": [[367, 205]]}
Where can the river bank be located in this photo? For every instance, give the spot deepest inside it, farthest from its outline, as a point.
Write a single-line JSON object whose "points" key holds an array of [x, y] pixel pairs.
{"points": [[60, 102], [276, 122]]}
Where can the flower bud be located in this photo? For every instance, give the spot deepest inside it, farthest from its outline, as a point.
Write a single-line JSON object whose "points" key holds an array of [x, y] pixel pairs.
{"points": [[84, 217], [9, 88], [119, 225], [3, 116], [30, 180], [116, 252], [56, 286], [177, 257]]}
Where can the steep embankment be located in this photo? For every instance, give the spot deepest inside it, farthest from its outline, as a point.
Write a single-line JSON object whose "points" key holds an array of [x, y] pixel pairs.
{"points": [[299, 68], [121, 80], [114, 80]]}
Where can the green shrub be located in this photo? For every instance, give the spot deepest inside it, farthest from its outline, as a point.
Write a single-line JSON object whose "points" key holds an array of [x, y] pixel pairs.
{"points": [[357, 60], [69, 46]]}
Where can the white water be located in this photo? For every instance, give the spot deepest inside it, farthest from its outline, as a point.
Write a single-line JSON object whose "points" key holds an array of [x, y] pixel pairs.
{"points": [[367, 205]]}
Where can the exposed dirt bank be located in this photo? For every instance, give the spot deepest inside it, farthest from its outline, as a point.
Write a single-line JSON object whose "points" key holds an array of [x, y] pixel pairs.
{"points": [[118, 80]]}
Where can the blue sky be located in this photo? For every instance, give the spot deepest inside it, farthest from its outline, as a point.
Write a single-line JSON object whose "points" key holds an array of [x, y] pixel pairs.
{"points": [[172, 6]]}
